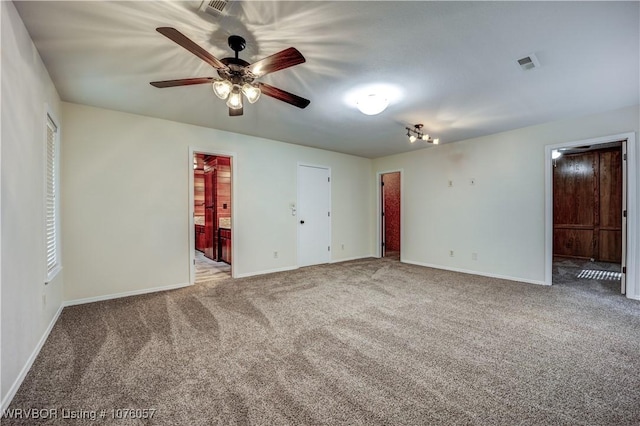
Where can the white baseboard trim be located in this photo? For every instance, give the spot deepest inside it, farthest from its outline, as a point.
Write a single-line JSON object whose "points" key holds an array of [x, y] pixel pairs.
{"points": [[482, 274], [125, 294], [291, 268], [347, 259], [633, 297], [23, 373], [267, 271]]}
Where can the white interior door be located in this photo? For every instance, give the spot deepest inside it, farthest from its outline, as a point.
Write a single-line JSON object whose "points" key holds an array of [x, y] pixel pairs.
{"points": [[314, 215], [383, 228], [623, 277]]}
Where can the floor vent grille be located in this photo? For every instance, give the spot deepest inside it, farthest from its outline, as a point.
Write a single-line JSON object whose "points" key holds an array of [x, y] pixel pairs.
{"points": [[593, 274]]}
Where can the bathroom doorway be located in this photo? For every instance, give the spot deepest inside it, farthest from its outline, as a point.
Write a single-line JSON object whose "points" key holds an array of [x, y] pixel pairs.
{"points": [[212, 242], [390, 215]]}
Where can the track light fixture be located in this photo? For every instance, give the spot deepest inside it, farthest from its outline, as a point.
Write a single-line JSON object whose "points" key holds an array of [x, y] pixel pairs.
{"points": [[416, 133]]}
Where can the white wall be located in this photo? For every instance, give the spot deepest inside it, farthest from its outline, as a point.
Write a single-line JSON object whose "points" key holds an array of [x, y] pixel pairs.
{"points": [[501, 217], [125, 201], [26, 87]]}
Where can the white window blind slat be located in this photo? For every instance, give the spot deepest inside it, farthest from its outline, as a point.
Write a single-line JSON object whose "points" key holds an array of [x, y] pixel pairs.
{"points": [[51, 229]]}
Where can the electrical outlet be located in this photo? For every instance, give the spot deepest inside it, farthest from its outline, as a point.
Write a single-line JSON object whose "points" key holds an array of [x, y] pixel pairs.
{"points": [[474, 256], [275, 254], [450, 253]]}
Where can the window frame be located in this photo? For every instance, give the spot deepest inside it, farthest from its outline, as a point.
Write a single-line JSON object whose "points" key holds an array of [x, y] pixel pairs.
{"points": [[50, 273]]}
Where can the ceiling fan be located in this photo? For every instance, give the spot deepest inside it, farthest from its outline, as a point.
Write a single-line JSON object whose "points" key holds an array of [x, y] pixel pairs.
{"points": [[237, 76]]}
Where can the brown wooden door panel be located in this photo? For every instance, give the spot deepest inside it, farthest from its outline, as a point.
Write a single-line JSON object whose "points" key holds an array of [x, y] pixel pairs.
{"points": [[610, 246], [587, 205], [198, 196], [574, 186], [610, 189], [223, 161], [391, 210], [209, 215], [573, 243], [574, 203]]}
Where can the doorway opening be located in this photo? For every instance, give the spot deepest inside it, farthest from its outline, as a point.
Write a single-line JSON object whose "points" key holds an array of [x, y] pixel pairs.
{"points": [[390, 215], [212, 243], [589, 217]]}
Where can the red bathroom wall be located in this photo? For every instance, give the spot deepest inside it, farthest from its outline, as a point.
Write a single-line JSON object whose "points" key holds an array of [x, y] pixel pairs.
{"points": [[392, 210]]}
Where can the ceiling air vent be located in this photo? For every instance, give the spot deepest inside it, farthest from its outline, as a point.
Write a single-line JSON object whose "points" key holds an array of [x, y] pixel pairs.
{"points": [[214, 7], [528, 62]]}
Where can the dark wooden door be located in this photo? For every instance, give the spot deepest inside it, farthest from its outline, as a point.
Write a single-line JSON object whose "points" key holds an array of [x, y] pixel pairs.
{"points": [[214, 230], [587, 206], [610, 230], [391, 212], [209, 214], [225, 245]]}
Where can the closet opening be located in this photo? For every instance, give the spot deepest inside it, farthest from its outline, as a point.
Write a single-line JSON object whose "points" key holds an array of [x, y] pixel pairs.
{"points": [[589, 225]]}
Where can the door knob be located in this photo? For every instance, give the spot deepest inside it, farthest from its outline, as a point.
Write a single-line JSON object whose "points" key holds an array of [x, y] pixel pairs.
{"points": [[302, 222]]}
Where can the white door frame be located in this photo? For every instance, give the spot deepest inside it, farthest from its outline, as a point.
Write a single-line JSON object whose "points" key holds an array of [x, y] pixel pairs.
{"points": [[192, 228], [298, 210], [379, 212], [632, 264]]}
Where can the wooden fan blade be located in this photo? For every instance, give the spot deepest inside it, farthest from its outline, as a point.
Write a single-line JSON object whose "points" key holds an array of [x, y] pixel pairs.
{"points": [[281, 95], [235, 112], [184, 41], [278, 61], [181, 82]]}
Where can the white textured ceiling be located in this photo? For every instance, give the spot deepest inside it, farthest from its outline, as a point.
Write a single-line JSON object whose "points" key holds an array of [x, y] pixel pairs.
{"points": [[449, 65]]}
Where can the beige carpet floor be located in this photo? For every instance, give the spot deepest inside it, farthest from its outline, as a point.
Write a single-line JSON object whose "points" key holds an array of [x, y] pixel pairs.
{"points": [[365, 342]]}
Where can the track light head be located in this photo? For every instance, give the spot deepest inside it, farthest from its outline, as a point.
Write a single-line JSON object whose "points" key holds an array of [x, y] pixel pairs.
{"points": [[415, 133]]}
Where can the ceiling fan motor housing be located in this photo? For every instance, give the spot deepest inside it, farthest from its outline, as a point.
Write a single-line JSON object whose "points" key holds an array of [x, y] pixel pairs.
{"points": [[237, 72]]}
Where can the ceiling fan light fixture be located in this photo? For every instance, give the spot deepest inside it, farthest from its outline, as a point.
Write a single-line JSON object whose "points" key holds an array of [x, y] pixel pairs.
{"points": [[436, 141], [372, 104], [425, 137], [235, 98], [222, 88], [252, 92], [236, 76]]}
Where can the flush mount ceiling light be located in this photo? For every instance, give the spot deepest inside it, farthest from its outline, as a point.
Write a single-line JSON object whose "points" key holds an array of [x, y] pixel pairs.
{"points": [[372, 98], [372, 103], [416, 133]]}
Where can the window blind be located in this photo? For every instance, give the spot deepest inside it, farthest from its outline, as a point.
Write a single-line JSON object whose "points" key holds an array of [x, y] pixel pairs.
{"points": [[51, 229]]}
